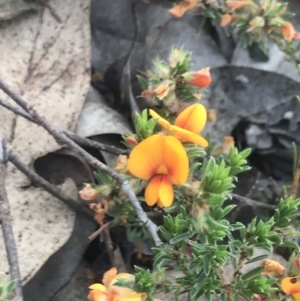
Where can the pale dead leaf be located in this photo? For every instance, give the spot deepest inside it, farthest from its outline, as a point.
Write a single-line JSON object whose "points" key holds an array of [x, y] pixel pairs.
{"points": [[97, 118], [50, 68]]}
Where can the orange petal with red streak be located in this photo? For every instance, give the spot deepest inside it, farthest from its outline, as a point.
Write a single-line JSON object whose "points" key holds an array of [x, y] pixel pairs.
{"points": [[159, 155], [193, 118]]}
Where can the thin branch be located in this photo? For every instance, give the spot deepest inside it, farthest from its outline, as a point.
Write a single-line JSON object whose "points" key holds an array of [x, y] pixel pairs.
{"points": [[41, 182], [52, 11], [79, 140], [7, 230], [97, 145], [62, 138], [246, 201], [99, 231]]}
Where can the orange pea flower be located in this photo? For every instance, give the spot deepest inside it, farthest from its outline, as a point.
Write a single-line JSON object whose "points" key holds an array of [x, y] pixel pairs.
{"points": [[110, 292], [291, 287], [164, 161], [188, 124], [201, 79], [288, 32], [272, 268]]}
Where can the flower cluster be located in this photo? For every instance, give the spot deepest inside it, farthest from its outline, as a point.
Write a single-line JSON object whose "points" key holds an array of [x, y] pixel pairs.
{"points": [[172, 85], [109, 291], [173, 166], [253, 20], [162, 159]]}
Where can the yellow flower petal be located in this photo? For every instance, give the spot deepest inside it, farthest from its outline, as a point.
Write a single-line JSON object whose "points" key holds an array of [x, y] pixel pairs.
{"points": [[109, 277], [124, 293], [296, 297], [166, 193], [176, 160], [193, 118], [159, 190], [145, 158], [188, 136], [163, 122], [97, 295], [152, 189], [290, 288], [156, 155], [97, 286]]}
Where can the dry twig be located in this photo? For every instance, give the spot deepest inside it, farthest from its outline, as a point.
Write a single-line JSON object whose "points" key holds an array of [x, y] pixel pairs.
{"points": [[41, 182], [246, 201], [7, 230], [62, 138], [98, 232], [79, 140], [52, 11]]}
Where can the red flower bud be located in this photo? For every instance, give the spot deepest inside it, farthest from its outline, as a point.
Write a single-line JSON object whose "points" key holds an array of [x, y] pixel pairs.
{"points": [[201, 79], [131, 140]]}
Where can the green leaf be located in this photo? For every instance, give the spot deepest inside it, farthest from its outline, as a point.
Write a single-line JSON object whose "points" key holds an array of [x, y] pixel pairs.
{"points": [[257, 258], [143, 82], [237, 226], [251, 274], [206, 263], [227, 209], [180, 237], [291, 244], [223, 296], [201, 277], [10, 287]]}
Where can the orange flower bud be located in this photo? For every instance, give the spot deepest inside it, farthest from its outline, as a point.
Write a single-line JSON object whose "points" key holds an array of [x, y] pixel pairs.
{"points": [[88, 193], [288, 32], [179, 10], [296, 263], [162, 91], [237, 4], [226, 19], [131, 140], [258, 297], [201, 79], [272, 268]]}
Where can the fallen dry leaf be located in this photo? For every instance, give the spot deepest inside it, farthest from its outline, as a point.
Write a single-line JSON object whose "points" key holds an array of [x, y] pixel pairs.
{"points": [[50, 68]]}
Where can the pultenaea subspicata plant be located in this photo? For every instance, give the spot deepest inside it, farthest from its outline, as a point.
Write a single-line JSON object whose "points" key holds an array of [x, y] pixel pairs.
{"points": [[253, 21], [170, 167]]}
